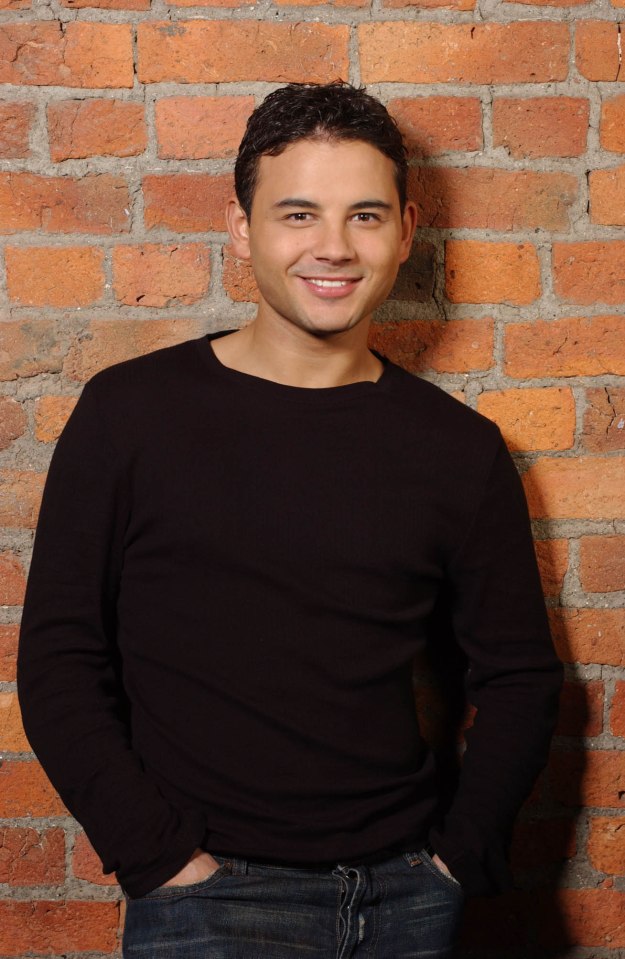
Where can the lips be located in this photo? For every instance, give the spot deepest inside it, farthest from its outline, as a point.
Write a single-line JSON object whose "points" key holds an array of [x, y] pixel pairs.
{"points": [[330, 287]]}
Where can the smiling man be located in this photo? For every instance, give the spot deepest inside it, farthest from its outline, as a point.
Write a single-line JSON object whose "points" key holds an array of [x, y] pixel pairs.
{"points": [[244, 542]]}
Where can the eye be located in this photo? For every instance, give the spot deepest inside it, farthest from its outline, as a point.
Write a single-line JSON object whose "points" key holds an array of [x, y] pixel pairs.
{"points": [[300, 217], [366, 217]]}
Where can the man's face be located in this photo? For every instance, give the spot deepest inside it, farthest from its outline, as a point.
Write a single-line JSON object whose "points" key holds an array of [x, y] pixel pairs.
{"points": [[326, 235]]}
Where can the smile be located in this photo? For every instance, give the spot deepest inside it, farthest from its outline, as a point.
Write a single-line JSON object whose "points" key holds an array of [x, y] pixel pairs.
{"points": [[330, 283]]}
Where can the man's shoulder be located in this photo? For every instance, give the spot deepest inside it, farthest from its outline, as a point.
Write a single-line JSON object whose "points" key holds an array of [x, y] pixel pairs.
{"points": [[150, 370]]}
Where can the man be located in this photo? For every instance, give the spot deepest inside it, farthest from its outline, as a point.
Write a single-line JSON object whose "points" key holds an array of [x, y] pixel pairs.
{"points": [[242, 545]]}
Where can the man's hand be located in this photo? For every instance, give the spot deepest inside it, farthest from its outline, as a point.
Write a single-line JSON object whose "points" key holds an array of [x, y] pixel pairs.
{"points": [[200, 866], [438, 862]]}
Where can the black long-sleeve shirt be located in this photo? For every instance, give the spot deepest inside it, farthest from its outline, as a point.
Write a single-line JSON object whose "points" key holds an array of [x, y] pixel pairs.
{"points": [[230, 580]]}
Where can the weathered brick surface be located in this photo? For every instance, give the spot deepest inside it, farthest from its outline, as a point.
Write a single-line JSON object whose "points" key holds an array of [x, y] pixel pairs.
{"points": [[604, 419], [553, 563], [87, 865], [409, 52], [602, 563], [541, 126], [532, 419], [589, 487], [90, 204], [20, 497], [54, 276], [51, 415], [194, 128], [589, 635], [571, 346], [8, 653], [491, 199], [595, 777], [29, 857], [160, 275], [186, 202], [29, 347], [485, 272], [420, 345], [197, 51], [606, 844], [16, 117], [78, 54], [617, 710], [12, 736], [12, 581], [597, 49], [53, 928], [607, 196], [25, 790], [612, 126], [85, 128], [13, 422], [436, 125], [590, 272]]}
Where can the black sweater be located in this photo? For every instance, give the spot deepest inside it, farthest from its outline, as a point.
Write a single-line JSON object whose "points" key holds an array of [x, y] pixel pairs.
{"points": [[230, 580]]}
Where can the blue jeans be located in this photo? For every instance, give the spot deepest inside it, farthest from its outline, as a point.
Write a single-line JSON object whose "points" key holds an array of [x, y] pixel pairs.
{"points": [[401, 908]]}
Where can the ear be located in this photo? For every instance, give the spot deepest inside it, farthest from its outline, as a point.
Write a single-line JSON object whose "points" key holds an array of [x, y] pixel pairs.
{"points": [[239, 230], [408, 227]]}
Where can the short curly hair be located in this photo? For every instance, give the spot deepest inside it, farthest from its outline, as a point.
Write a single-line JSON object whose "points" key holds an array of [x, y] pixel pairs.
{"points": [[329, 111]]}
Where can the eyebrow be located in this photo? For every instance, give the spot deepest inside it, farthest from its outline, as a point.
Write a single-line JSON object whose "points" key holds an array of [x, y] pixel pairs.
{"points": [[309, 205]]}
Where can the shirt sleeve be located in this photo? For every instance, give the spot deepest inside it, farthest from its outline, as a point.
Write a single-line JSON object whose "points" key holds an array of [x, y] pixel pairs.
{"points": [[70, 684], [514, 679]]}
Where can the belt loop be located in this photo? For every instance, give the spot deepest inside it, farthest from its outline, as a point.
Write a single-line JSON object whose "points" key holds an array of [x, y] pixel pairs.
{"points": [[239, 866]]}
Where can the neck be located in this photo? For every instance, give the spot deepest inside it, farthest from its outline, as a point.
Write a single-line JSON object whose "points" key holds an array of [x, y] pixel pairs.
{"points": [[286, 354]]}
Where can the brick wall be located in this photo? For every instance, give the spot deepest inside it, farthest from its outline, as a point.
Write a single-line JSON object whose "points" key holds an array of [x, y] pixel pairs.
{"points": [[119, 120]]}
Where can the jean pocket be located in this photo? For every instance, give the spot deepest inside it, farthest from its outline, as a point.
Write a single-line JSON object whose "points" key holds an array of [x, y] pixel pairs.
{"points": [[423, 858], [190, 888]]}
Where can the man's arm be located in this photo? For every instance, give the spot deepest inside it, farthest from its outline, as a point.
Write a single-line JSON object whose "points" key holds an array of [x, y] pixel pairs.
{"points": [[69, 668], [500, 622]]}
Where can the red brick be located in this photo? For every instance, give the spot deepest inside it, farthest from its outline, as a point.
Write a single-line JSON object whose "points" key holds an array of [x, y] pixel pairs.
{"points": [[159, 275], [12, 581], [31, 858], [76, 54], [15, 4], [16, 118], [589, 635], [300, 52], [85, 128], [12, 735], [597, 49], [58, 927], [97, 203], [8, 653], [604, 419], [420, 52], [54, 276], [238, 278], [13, 422], [571, 346], [112, 341], [617, 710], [594, 777], [532, 419], [29, 347], [51, 415], [435, 125], [215, 3], [553, 563], [612, 126], [26, 791], [602, 563], [195, 128], [582, 917], [606, 844], [86, 864], [108, 4], [20, 498], [539, 842], [607, 196], [491, 199], [541, 126], [415, 280], [590, 272], [581, 709], [445, 347], [484, 272], [187, 202], [586, 487], [430, 4]]}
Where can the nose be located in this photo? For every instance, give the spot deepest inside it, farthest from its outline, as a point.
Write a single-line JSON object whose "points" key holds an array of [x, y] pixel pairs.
{"points": [[333, 242]]}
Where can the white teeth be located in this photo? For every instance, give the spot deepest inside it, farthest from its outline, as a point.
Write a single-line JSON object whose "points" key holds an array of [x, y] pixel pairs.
{"points": [[331, 283]]}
